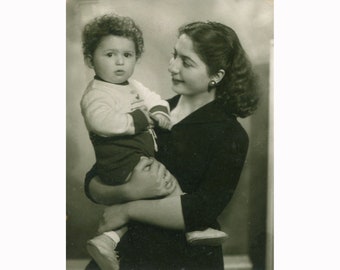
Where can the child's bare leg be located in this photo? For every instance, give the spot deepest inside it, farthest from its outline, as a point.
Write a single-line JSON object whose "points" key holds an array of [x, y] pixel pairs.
{"points": [[102, 249]]}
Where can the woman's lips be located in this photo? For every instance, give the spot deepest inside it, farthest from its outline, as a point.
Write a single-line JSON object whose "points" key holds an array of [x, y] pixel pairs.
{"points": [[176, 81]]}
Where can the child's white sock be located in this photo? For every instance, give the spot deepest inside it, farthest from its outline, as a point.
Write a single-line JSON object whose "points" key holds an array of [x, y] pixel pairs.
{"points": [[113, 235]]}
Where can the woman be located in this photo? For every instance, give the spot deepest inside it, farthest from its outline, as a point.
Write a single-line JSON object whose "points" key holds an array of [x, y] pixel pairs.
{"points": [[205, 151]]}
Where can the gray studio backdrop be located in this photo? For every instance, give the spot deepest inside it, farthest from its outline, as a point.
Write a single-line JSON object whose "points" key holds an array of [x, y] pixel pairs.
{"points": [[245, 219]]}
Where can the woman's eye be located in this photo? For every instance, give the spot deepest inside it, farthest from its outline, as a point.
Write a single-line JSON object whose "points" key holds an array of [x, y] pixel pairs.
{"points": [[185, 64], [174, 55], [109, 54]]}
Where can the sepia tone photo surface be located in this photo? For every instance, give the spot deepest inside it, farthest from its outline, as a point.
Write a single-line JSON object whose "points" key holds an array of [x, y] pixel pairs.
{"points": [[248, 217]]}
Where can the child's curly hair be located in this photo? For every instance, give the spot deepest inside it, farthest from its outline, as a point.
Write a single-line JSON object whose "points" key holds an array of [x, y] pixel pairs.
{"points": [[219, 48], [111, 24]]}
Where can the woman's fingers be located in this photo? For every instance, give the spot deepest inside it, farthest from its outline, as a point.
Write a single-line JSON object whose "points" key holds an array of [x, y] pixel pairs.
{"points": [[165, 180], [170, 183], [154, 167], [158, 181], [161, 171], [144, 163]]}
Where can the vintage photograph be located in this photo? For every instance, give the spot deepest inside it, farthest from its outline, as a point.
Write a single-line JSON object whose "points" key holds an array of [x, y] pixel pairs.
{"points": [[169, 134]]}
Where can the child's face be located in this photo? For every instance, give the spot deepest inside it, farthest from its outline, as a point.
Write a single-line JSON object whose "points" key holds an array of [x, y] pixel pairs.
{"points": [[114, 59]]}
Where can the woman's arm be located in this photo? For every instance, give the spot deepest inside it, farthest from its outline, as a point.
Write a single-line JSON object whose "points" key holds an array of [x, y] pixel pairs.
{"points": [[149, 179], [227, 156], [165, 213], [108, 195], [193, 211]]}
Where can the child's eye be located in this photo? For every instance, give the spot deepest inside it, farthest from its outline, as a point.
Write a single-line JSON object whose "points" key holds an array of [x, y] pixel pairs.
{"points": [[127, 55], [109, 54], [174, 55]]}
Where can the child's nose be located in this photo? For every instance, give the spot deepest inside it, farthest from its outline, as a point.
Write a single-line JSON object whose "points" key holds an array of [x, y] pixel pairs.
{"points": [[119, 60]]}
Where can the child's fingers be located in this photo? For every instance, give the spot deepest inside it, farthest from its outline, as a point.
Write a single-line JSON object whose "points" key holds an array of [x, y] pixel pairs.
{"points": [[164, 123], [168, 126], [144, 108]]}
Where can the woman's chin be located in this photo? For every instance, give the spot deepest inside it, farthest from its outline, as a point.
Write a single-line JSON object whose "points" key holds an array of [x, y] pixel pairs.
{"points": [[178, 90]]}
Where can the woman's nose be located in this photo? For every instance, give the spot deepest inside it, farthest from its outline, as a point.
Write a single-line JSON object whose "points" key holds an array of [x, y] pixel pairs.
{"points": [[173, 66]]}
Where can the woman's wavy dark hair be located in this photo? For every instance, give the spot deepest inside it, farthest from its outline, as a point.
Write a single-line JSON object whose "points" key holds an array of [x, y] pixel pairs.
{"points": [[219, 48], [111, 24]]}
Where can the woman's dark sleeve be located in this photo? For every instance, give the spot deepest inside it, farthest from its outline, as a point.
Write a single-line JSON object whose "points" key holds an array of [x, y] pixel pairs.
{"points": [[89, 176], [201, 208]]}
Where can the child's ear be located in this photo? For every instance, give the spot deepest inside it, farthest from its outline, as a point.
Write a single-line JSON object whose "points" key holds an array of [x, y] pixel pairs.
{"points": [[89, 61]]}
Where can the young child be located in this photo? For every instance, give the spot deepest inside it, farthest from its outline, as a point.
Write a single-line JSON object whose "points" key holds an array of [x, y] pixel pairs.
{"points": [[119, 113]]}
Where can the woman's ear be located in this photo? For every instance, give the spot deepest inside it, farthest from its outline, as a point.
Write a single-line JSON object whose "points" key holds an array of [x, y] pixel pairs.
{"points": [[88, 61], [218, 76]]}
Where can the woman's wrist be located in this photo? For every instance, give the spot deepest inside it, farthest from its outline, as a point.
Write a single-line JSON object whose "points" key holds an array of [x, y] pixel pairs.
{"points": [[128, 210], [165, 213], [129, 192]]}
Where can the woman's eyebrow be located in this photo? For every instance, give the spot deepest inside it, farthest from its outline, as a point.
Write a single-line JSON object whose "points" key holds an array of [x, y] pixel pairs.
{"points": [[184, 57]]}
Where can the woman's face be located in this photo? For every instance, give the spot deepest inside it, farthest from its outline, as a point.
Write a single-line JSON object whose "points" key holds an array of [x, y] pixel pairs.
{"points": [[189, 73]]}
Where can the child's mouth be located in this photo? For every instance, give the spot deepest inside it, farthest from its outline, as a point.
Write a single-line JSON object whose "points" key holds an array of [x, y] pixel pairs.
{"points": [[119, 72]]}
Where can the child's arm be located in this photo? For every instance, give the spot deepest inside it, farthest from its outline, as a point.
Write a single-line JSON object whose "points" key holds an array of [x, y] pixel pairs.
{"points": [[158, 108], [103, 117], [152, 100]]}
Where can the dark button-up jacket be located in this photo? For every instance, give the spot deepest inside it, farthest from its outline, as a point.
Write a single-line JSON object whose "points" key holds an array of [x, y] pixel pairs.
{"points": [[205, 152]]}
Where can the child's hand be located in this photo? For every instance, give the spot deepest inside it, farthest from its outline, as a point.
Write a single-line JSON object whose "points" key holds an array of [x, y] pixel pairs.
{"points": [[147, 115], [162, 120]]}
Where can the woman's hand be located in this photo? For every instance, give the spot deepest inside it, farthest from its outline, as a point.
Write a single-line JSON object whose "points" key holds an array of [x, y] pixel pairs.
{"points": [[150, 179], [113, 218]]}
